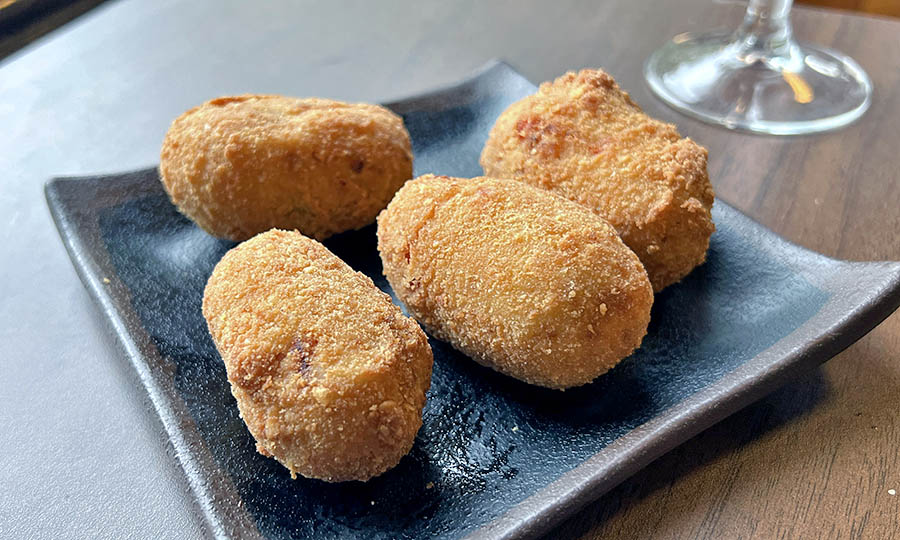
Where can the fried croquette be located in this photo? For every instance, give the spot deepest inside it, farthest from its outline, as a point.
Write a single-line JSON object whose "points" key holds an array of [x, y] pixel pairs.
{"points": [[518, 278], [582, 137], [238, 166], [329, 376]]}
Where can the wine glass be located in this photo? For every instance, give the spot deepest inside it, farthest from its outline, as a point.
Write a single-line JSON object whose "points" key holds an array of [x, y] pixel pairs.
{"points": [[758, 78]]}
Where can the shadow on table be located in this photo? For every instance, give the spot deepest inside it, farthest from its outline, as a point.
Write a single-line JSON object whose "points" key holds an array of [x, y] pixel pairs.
{"points": [[783, 407]]}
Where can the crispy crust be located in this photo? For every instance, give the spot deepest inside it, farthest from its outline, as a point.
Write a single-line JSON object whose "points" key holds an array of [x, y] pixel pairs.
{"points": [[582, 137], [242, 165], [517, 278], [329, 376]]}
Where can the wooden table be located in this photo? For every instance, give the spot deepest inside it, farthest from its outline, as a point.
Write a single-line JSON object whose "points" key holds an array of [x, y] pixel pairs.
{"points": [[80, 454]]}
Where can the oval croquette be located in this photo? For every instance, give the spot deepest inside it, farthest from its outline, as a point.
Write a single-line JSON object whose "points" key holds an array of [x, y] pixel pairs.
{"points": [[582, 137], [329, 376], [242, 165], [519, 279]]}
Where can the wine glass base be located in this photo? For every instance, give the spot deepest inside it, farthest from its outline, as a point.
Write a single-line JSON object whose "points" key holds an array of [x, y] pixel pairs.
{"points": [[721, 80]]}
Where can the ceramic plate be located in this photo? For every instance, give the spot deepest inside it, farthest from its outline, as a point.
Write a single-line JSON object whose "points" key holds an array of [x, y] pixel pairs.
{"points": [[495, 458]]}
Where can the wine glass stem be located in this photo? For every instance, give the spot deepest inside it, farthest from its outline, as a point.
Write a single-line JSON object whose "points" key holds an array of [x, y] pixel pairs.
{"points": [[766, 30]]}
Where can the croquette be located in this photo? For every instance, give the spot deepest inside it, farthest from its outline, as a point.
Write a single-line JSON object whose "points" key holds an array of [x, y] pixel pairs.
{"points": [[519, 279], [239, 166], [584, 138], [329, 376]]}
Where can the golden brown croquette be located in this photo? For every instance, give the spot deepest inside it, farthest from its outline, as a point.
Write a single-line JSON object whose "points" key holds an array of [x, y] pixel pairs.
{"points": [[242, 165], [582, 137], [517, 278], [329, 376]]}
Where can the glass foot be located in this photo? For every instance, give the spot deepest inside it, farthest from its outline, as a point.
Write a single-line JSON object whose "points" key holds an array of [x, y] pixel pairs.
{"points": [[718, 79]]}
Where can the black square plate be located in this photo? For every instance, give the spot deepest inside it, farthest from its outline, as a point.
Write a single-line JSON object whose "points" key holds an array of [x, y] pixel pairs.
{"points": [[495, 457]]}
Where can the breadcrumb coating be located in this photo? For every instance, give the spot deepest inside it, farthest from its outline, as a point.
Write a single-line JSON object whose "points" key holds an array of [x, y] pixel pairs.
{"points": [[583, 137], [242, 165], [519, 279], [329, 375]]}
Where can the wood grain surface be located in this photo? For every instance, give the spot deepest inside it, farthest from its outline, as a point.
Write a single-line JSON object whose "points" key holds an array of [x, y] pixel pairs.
{"points": [[818, 458], [84, 456], [880, 7]]}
